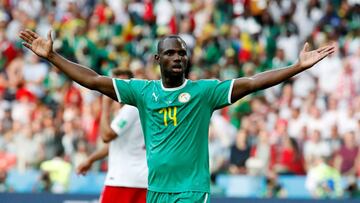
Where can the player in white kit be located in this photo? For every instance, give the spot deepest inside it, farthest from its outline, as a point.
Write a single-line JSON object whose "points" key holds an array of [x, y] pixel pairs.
{"points": [[126, 179]]}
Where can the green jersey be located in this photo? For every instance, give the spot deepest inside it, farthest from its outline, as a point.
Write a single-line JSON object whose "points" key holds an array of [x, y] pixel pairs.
{"points": [[175, 123]]}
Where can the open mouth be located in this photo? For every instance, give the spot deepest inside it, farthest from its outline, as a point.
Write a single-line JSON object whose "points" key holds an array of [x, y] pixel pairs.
{"points": [[177, 68]]}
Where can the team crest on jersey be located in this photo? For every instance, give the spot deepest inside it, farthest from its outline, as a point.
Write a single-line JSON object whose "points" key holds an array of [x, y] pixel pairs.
{"points": [[184, 97]]}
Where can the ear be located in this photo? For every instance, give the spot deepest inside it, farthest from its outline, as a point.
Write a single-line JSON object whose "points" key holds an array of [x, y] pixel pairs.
{"points": [[157, 57]]}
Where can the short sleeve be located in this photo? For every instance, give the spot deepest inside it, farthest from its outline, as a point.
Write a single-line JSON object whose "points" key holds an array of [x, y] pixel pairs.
{"points": [[219, 93], [124, 120], [128, 91]]}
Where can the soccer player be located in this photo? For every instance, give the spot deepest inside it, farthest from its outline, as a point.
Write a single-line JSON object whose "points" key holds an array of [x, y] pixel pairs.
{"points": [[126, 180], [174, 112]]}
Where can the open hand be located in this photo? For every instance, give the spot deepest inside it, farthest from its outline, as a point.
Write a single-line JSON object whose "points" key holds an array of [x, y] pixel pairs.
{"points": [[309, 58], [39, 45]]}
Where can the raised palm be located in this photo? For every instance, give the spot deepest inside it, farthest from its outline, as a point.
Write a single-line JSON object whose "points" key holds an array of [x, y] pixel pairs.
{"points": [[309, 58], [39, 45]]}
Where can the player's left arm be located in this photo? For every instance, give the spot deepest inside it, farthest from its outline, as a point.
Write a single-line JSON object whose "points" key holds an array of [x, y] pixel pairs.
{"points": [[85, 166], [246, 85], [107, 134]]}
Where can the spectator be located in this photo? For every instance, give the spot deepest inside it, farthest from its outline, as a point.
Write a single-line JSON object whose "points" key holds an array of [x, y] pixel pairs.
{"points": [[59, 171], [348, 155], [252, 35], [239, 153], [289, 159], [323, 181], [4, 185], [335, 140], [274, 189], [34, 73], [44, 183], [296, 123], [330, 117], [262, 156], [315, 147], [352, 189], [221, 136]]}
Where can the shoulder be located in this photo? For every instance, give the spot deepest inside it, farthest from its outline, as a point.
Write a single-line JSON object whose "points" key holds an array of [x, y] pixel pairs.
{"points": [[207, 81], [133, 80], [204, 82], [127, 110], [210, 83], [134, 83], [145, 82]]}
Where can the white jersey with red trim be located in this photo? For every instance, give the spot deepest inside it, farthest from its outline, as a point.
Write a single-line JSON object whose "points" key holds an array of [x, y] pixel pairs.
{"points": [[127, 157]]}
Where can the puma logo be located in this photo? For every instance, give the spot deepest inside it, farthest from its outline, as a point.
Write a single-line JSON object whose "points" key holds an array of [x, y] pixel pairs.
{"points": [[155, 97]]}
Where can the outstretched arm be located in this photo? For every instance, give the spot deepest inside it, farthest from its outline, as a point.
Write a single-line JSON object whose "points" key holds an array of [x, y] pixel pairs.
{"points": [[80, 74], [307, 59], [84, 167]]}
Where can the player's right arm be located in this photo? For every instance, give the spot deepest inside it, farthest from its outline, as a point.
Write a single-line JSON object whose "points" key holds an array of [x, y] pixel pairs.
{"points": [[120, 125], [84, 167], [80, 74]]}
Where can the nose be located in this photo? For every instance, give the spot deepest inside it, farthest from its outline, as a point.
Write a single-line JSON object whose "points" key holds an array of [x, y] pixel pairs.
{"points": [[177, 57]]}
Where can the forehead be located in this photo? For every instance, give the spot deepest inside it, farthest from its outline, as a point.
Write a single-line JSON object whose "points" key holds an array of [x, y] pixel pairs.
{"points": [[174, 44]]}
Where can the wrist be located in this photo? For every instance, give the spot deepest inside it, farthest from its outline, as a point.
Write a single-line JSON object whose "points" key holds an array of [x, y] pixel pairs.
{"points": [[299, 66], [90, 161], [51, 55]]}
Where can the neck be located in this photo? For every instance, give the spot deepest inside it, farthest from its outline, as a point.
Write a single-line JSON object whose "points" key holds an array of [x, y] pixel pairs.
{"points": [[172, 82]]}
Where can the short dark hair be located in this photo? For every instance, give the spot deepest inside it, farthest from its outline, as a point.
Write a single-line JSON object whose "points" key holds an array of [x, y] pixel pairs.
{"points": [[118, 72], [161, 41]]}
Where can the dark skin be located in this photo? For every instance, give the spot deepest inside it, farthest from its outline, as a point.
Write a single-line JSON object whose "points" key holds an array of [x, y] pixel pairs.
{"points": [[172, 59]]}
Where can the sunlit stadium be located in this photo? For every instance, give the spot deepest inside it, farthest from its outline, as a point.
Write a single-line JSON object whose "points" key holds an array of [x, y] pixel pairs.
{"points": [[237, 101]]}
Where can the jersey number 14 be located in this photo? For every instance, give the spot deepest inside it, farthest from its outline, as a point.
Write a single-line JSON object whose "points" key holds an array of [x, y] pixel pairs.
{"points": [[169, 113]]}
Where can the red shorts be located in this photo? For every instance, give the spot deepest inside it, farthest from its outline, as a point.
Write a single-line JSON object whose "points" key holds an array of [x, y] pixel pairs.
{"points": [[113, 194]]}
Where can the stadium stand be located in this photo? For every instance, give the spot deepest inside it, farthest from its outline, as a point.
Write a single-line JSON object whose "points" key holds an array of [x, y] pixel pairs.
{"points": [[270, 141]]}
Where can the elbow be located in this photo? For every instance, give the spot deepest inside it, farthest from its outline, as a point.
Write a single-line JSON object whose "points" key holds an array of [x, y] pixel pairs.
{"points": [[108, 137], [92, 84], [105, 139]]}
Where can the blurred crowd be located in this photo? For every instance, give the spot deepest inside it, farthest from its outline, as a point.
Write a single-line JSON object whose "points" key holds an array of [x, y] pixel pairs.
{"points": [[307, 125]]}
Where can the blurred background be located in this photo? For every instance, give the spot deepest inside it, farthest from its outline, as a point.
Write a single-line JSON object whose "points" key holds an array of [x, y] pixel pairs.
{"points": [[297, 140]]}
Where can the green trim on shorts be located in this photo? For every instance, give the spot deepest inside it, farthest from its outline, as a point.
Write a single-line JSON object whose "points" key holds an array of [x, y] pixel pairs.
{"points": [[182, 197]]}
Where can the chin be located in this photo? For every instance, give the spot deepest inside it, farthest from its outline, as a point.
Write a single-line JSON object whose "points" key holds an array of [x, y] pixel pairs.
{"points": [[176, 74]]}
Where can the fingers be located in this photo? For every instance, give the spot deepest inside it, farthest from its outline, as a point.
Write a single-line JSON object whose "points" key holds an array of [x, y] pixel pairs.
{"points": [[326, 53], [28, 36], [329, 50], [32, 34], [26, 45], [319, 50], [49, 35], [325, 49], [81, 172], [306, 47]]}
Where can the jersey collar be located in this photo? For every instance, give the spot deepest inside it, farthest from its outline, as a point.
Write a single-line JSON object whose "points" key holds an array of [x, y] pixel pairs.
{"points": [[173, 88]]}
